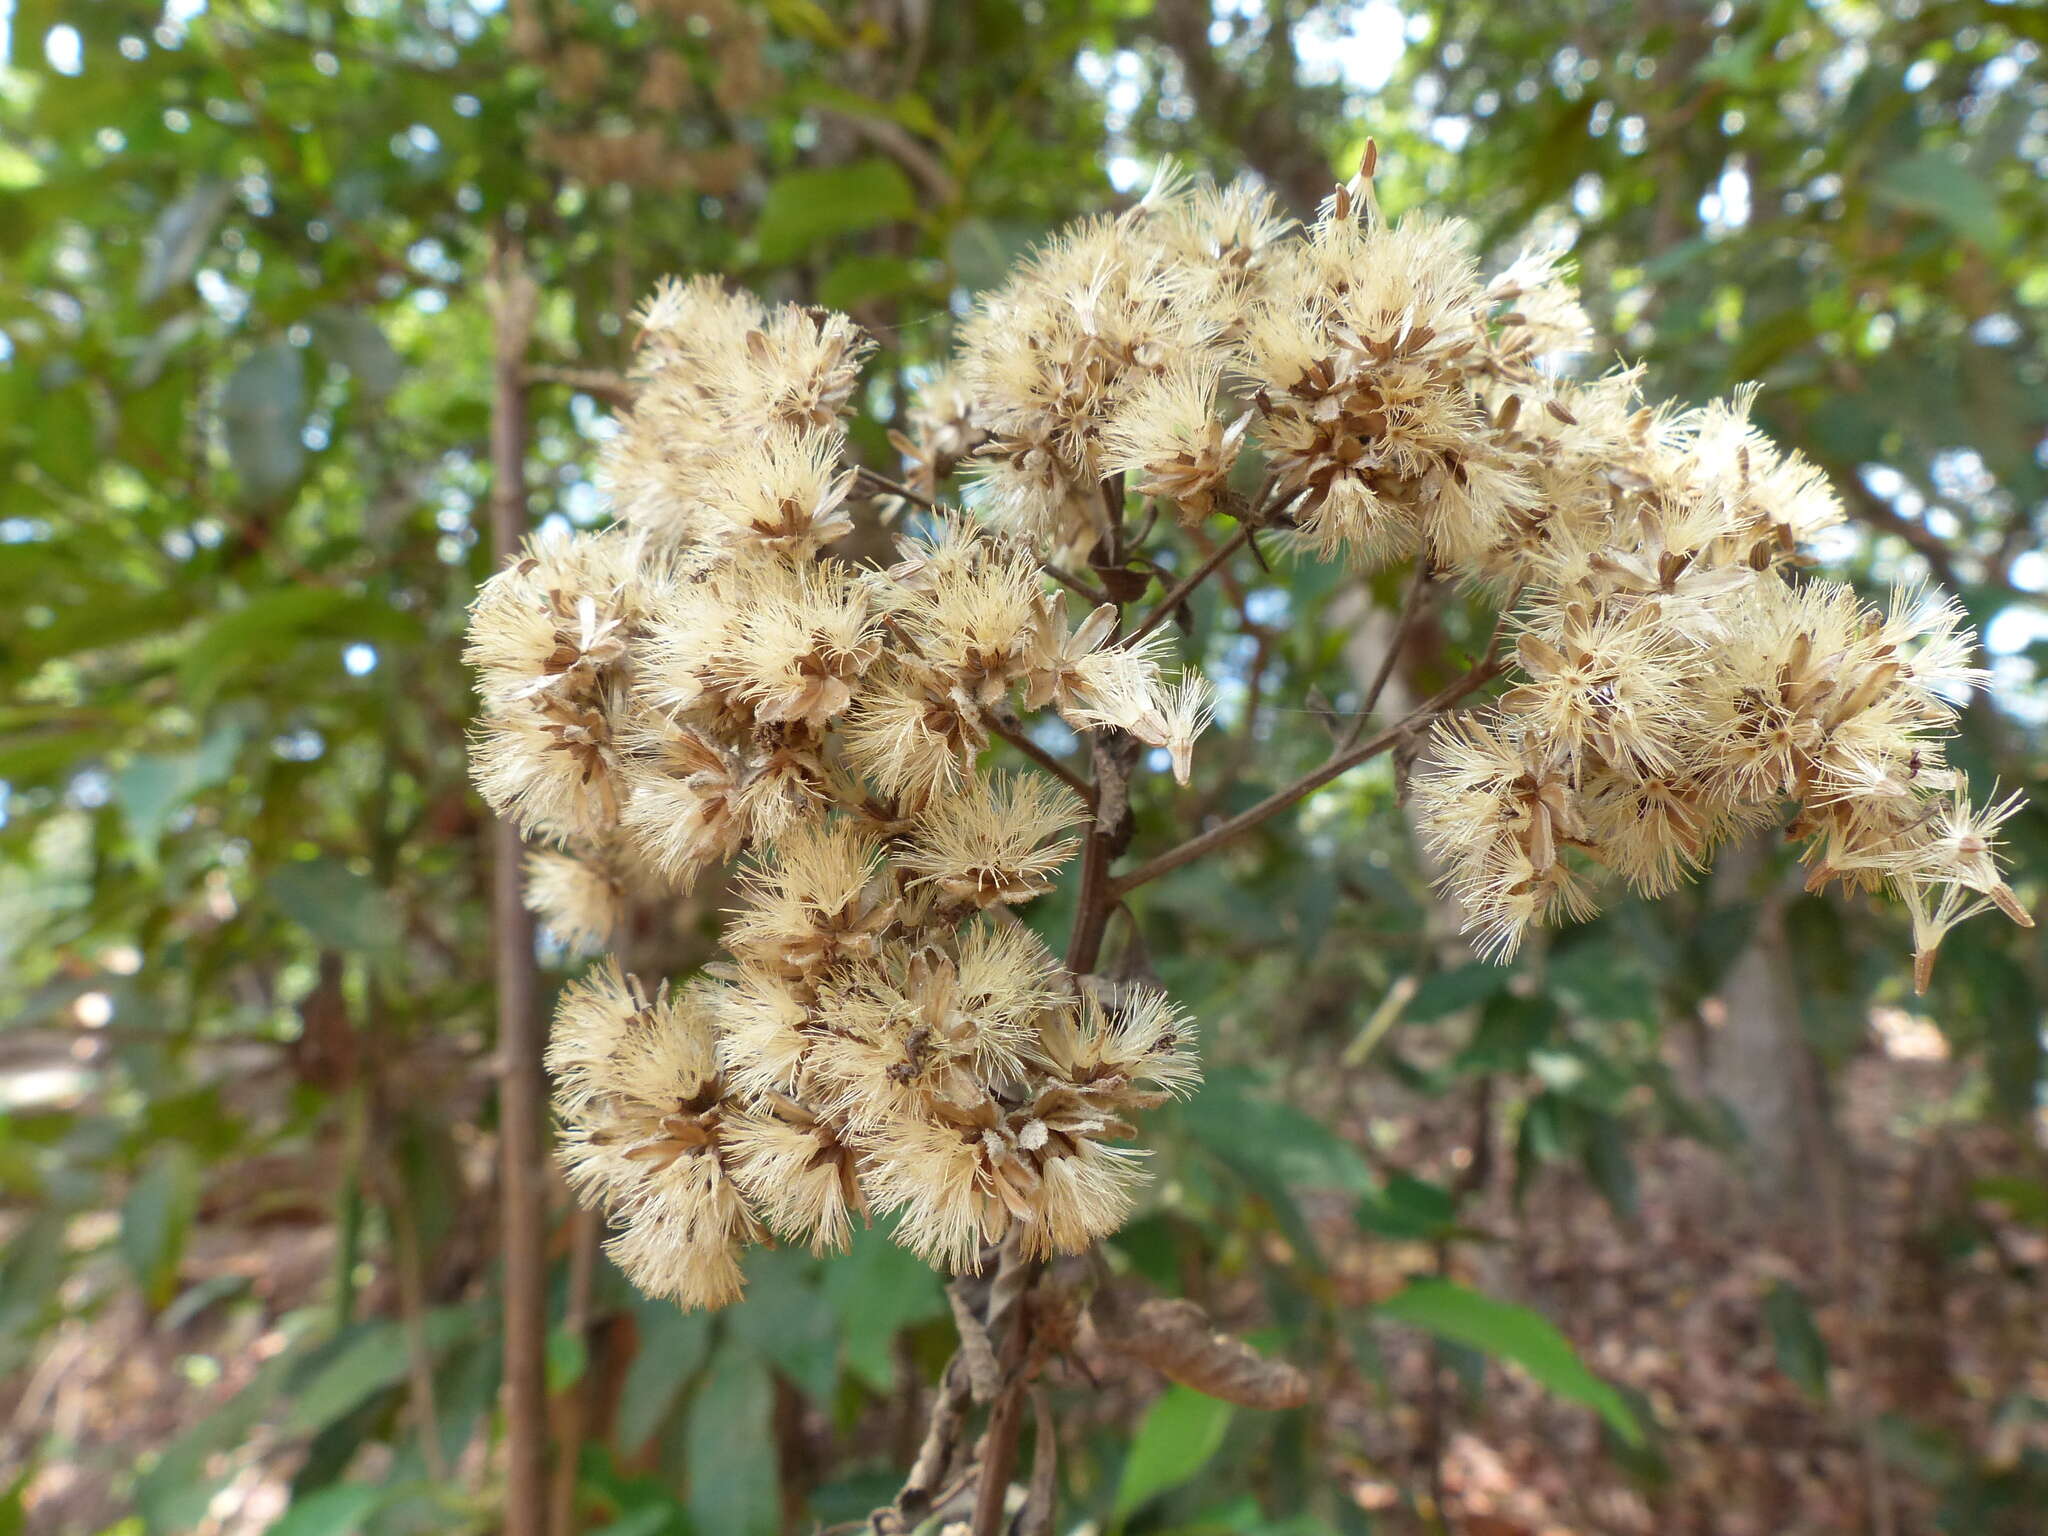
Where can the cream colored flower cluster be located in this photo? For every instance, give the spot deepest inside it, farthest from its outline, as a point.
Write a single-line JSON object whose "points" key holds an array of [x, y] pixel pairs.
{"points": [[705, 679], [710, 678], [1679, 685]]}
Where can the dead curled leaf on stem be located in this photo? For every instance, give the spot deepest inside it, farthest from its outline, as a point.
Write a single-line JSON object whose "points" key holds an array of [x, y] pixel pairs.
{"points": [[1176, 1338]]}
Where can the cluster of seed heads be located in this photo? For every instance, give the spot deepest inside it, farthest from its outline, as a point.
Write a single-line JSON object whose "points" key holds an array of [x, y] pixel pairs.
{"points": [[713, 677]]}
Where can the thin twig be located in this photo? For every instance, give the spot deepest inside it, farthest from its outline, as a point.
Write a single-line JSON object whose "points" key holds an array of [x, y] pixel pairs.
{"points": [[522, 1172], [1339, 763], [902, 146], [1080, 584], [1006, 1419], [603, 383], [1041, 1496], [1411, 611], [889, 487], [1012, 731], [1201, 573], [575, 1404]]}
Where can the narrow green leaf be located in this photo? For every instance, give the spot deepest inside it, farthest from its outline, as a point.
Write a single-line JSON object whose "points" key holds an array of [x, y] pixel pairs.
{"points": [[255, 632], [155, 1218], [340, 1509], [183, 231], [357, 342], [151, 789], [1508, 1332], [1802, 1352], [374, 1359], [1934, 185]]}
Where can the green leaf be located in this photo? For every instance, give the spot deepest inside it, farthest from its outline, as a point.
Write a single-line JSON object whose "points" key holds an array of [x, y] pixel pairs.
{"points": [[568, 1355], [982, 250], [340, 908], [2024, 1199], [374, 1358], [1252, 1132], [155, 1219], [867, 277], [150, 789], [1802, 1352], [875, 1291], [173, 1494], [30, 1271], [787, 1322], [1508, 1332], [648, 1520], [732, 1471], [1448, 992], [1409, 1209], [1510, 1028], [357, 342], [1607, 1160], [183, 231], [1935, 186], [1179, 1434], [671, 1347], [263, 414], [340, 1509], [18, 169], [806, 208], [256, 633]]}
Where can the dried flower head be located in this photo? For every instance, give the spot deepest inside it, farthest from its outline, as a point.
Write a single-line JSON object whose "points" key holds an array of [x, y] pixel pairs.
{"points": [[720, 678]]}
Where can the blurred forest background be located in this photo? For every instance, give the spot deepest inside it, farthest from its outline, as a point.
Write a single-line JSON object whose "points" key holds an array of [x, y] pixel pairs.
{"points": [[1707, 1167]]}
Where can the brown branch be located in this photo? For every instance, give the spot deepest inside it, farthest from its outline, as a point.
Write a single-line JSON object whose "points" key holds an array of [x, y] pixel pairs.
{"points": [[602, 383], [1012, 731], [1035, 1518], [1201, 573], [575, 1401], [1340, 762], [1074, 583], [1922, 540], [1114, 753], [1015, 1277], [908, 151], [888, 487], [1411, 610], [522, 1173]]}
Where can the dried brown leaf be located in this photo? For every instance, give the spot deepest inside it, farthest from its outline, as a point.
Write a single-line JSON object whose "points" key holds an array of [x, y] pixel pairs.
{"points": [[1175, 1337]]}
